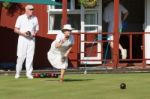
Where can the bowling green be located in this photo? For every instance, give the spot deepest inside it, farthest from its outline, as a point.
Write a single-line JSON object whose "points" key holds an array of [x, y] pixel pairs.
{"points": [[77, 86]]}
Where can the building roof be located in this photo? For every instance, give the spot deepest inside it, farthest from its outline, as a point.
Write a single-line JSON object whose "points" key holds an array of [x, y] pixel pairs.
{"points": [[47, 2]]}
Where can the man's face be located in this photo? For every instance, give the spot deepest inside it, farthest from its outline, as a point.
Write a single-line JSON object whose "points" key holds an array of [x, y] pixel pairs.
{"points": [[29, 12], [67, 33]]}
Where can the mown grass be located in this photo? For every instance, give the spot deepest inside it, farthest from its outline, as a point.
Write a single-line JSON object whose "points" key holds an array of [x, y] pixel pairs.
{"points": [[77, 86]]}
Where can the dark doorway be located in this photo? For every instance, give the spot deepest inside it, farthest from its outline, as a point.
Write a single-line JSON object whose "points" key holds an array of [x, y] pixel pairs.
{"points": [[136, 16], [135, 21]]}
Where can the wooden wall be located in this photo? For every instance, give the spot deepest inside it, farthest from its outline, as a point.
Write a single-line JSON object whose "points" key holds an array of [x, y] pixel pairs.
{"points": [[8, 39]]}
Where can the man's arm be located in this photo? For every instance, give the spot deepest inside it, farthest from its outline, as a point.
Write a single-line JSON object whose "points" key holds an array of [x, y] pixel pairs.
{"points": [[17, 27], [59, 44], [16, 30], [125, 16], [66, 54], [36, 27], [124, 11], [68, 51]]}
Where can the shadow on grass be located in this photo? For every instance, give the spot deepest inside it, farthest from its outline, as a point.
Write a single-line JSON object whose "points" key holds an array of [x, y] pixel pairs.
{"points": [[72, 80], [76, 80]]}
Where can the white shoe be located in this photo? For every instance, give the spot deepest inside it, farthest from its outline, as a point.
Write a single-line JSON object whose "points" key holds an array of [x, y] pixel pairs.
{"points": [[29, 76], [17, 76], [124, 53]]}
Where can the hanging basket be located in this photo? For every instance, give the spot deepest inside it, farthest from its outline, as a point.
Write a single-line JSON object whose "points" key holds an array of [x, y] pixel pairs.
{"points": [[88, 3], [6, 5]]}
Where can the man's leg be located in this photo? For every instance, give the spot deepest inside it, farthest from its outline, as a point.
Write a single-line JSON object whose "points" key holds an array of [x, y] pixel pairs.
{"points": [[123, 52], [21, 53], [62, 73], [110, 37], [20, 61], [29, 60]]}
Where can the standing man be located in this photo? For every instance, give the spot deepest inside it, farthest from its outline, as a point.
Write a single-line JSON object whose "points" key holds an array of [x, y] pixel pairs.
{"points": [[26, 26], [109, 18]]}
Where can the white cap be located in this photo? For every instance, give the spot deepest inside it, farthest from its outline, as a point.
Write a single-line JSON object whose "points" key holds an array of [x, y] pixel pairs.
{"points": [[29, 7], [67, 27]]}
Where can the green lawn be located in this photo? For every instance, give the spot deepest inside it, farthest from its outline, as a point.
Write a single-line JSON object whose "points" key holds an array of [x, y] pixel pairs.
{"points": [[77, 86]]}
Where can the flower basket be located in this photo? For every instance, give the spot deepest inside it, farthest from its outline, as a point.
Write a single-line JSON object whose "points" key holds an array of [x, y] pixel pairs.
{"points": [[6, 5], [88, 3]]}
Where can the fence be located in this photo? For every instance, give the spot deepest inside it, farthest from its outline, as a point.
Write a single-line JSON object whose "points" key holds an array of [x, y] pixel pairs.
{"points": [[134, 42]]}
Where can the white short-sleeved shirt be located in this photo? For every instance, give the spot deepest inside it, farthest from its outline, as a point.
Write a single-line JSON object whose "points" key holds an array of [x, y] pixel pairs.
{"points": [[65, 45], [27, 24], [109, 15]]}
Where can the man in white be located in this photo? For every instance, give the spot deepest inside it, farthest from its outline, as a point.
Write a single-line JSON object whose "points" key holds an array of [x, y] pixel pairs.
{"points": [[109, 18], [147, 44], [26, 26]]}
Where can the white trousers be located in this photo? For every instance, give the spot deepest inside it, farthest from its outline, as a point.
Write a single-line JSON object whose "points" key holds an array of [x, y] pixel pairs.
{"points": [[25, 50]]}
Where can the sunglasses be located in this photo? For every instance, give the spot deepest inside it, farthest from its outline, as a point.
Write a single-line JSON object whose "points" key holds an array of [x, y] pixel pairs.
{"points": [[31, 9]]}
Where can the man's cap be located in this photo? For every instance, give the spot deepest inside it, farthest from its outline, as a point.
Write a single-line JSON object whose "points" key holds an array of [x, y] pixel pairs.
{"points": [[29, 7]]}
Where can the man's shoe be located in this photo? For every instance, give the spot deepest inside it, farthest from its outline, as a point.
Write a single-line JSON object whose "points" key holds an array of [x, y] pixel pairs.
{"points": [[17, 76], [29, 76]]}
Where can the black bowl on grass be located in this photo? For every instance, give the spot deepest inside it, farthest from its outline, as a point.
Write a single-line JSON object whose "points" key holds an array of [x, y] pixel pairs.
{"points": [[122, 86]]}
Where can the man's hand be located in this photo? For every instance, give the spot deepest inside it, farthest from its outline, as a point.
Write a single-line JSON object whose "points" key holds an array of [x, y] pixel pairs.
{"points": [[28, 33], [33, 34], [59, 44], [63, 59], [62, 41], [17, 30], [23, 34]]}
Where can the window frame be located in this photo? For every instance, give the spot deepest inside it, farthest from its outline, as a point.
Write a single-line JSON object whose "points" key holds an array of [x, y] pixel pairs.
{"points": [[53, 11]]}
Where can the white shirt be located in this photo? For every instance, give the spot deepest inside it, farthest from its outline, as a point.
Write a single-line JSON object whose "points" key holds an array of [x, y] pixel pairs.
{"points": [[61, 36], [24, 24], [27, 24], [109, 15], [64, 46]]}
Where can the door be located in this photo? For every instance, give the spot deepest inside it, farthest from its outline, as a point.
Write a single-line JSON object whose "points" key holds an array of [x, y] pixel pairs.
{"points": [[91, 27]]}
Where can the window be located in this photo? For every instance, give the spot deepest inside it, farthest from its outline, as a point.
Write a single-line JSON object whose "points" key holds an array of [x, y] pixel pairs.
{"points": [[55, 15], [72, 4], [90, 20]]}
